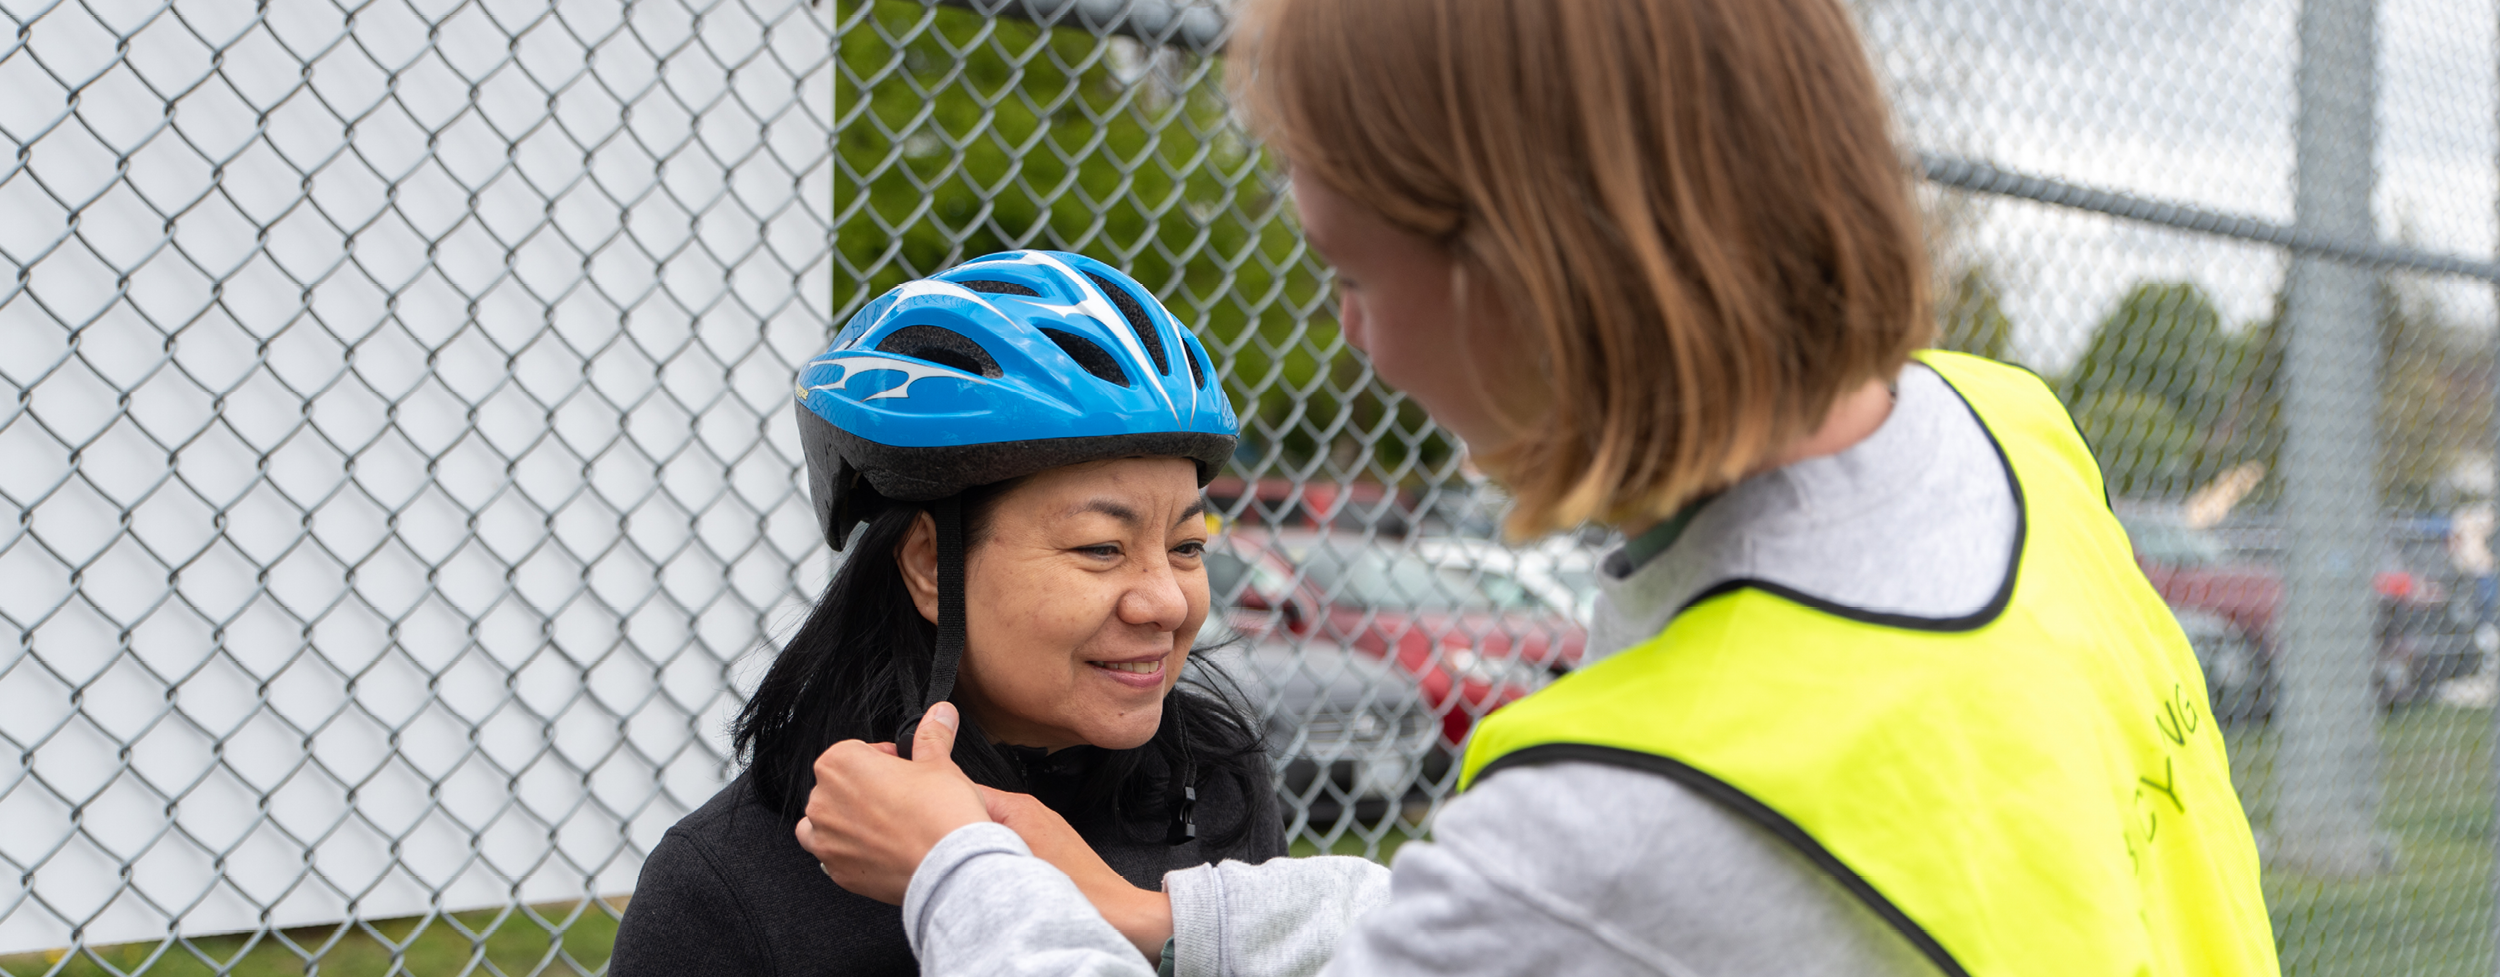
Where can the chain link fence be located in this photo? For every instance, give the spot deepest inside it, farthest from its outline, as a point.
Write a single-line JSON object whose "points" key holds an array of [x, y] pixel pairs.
{"points": [[403, 489]]}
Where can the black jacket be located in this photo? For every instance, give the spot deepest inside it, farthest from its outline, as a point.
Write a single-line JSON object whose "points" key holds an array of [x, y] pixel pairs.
{"points": [[729, 891]]}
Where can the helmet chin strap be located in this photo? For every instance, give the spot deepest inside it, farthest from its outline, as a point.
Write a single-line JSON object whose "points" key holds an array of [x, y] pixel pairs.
{"points": [[948, 513]]}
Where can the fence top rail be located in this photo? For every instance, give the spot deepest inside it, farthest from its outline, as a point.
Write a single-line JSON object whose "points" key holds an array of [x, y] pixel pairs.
{"points": [[1982, 177], [1204, 31], [1196, 29]]}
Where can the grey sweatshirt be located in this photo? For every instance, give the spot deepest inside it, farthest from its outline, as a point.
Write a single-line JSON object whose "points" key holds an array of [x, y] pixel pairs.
{"points": [[1570, 867]]}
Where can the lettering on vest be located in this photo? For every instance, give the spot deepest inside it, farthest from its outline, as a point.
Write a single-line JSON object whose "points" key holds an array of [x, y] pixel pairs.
{"points": [[2177, 719]]}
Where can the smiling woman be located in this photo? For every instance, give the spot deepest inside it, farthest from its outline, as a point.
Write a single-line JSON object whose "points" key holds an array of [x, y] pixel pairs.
{"points": [[1099, 562], [1012, 453]]}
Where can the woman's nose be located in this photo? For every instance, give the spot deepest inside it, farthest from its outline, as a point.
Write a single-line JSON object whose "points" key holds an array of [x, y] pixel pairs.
{"points": [[1157, 599]]}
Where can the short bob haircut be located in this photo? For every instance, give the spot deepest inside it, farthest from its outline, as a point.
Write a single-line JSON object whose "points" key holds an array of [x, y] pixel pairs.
{"points": [[1693, 208]]}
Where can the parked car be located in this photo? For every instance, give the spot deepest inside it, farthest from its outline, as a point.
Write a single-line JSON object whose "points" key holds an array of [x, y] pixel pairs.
{"points": [[1369, 662], [1560, 572], [2229, 599]]}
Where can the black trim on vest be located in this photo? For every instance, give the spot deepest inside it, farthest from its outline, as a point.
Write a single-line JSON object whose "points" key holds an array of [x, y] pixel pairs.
{"points": [[2070, 422], [1910, 622], [1728, 796]]}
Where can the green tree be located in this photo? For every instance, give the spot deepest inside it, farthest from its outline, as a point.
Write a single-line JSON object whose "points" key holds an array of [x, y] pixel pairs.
{"points": [[959, 135], [2154, 391], [2434, 408], [1970, 316], [2434, 411]]}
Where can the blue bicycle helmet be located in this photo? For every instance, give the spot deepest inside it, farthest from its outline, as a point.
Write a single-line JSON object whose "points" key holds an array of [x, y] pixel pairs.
{"points": [[998, 368]]}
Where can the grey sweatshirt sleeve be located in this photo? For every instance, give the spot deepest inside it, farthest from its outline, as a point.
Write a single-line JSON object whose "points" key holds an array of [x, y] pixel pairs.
{"points": [[1281, 918], [1585, 868], [1570, 868], [980, 903], [1456, 905]]}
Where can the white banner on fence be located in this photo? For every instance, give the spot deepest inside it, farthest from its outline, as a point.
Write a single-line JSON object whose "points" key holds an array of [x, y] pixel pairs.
{"points": [[407, 470]]}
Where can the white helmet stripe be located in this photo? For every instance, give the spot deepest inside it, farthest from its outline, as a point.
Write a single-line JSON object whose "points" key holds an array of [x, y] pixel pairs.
{"points": [[1100, 307]]}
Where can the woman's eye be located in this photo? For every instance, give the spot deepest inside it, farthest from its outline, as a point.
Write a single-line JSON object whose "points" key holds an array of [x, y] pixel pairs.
{"points": [[1107, 551], [1192, 549]]}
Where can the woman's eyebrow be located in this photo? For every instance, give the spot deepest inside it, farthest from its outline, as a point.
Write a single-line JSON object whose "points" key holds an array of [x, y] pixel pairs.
{"points": [[1128, 516], [1108, 507]]}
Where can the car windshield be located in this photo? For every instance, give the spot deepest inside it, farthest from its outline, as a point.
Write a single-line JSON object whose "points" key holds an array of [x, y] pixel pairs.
{"points": [[1375, 579]]}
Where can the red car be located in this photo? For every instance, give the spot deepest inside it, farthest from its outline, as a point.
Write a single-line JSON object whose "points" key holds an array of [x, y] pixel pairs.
{"points": [[2229, 604], [1359, 634]]}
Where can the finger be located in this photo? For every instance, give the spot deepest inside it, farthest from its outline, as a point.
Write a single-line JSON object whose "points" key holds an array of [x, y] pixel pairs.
{"points": [[885, 748], [1002, 806], [934, 740], [826, 758], [807, 840]]}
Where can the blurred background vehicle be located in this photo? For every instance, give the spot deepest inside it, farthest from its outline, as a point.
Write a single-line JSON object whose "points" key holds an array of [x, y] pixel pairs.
{"points": [[1283, 503], [2225, 584], [1559, 572], [1370, 661]]}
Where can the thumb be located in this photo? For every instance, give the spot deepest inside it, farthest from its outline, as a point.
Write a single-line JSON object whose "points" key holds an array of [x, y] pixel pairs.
{"points": [[934, 740]]}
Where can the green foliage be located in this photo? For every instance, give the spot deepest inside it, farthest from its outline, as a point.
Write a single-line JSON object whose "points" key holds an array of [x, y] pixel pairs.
{"points": [[2435, 383], [2169, 400], [960, 135], [2434, 405], [2158, 392], [1970, 316]]}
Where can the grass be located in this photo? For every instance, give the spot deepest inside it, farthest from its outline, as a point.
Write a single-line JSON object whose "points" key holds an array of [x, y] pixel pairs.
{"points": [[2431, 915], [491, 941], [1377, 840]]}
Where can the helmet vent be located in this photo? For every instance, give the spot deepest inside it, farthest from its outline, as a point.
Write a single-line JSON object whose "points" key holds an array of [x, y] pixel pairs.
{"points": [[1000, 288], [1137, 321], [1197, 374], [943, 346], [1090, 355]]}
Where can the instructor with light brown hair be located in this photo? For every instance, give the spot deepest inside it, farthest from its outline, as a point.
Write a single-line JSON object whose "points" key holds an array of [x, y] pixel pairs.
{"points": [[1887, 693]]}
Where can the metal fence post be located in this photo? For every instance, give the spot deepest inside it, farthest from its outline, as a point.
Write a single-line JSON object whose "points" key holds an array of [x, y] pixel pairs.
{"points": [[2491, 665], [2326, 818]]}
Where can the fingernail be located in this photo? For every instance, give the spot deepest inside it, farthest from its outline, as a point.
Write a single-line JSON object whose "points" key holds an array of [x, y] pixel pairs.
{"points": [[944, 712]]}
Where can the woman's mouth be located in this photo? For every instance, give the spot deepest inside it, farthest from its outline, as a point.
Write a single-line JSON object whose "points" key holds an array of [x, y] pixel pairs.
{"points": [[1144, 674]]}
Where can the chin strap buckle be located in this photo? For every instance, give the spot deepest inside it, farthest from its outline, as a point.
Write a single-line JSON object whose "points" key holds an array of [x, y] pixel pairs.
{"points": [[1184, 818]]}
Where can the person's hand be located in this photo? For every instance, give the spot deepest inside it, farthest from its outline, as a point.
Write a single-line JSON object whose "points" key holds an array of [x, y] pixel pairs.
{"points": [[1144, 916], [874, 815]]}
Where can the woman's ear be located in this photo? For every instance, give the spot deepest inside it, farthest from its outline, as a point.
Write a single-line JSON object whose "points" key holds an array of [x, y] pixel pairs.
{"points": [[916, 559]]}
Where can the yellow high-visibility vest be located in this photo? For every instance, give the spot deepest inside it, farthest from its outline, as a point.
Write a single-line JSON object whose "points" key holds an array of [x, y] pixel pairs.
{"points": [[2036, 789]]}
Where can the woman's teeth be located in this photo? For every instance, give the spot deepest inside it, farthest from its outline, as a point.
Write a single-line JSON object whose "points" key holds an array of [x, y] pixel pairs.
{"points": [[1142, 668]]}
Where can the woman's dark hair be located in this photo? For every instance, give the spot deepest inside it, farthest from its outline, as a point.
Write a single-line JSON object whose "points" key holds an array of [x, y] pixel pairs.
{"points": [[856, 670]]}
